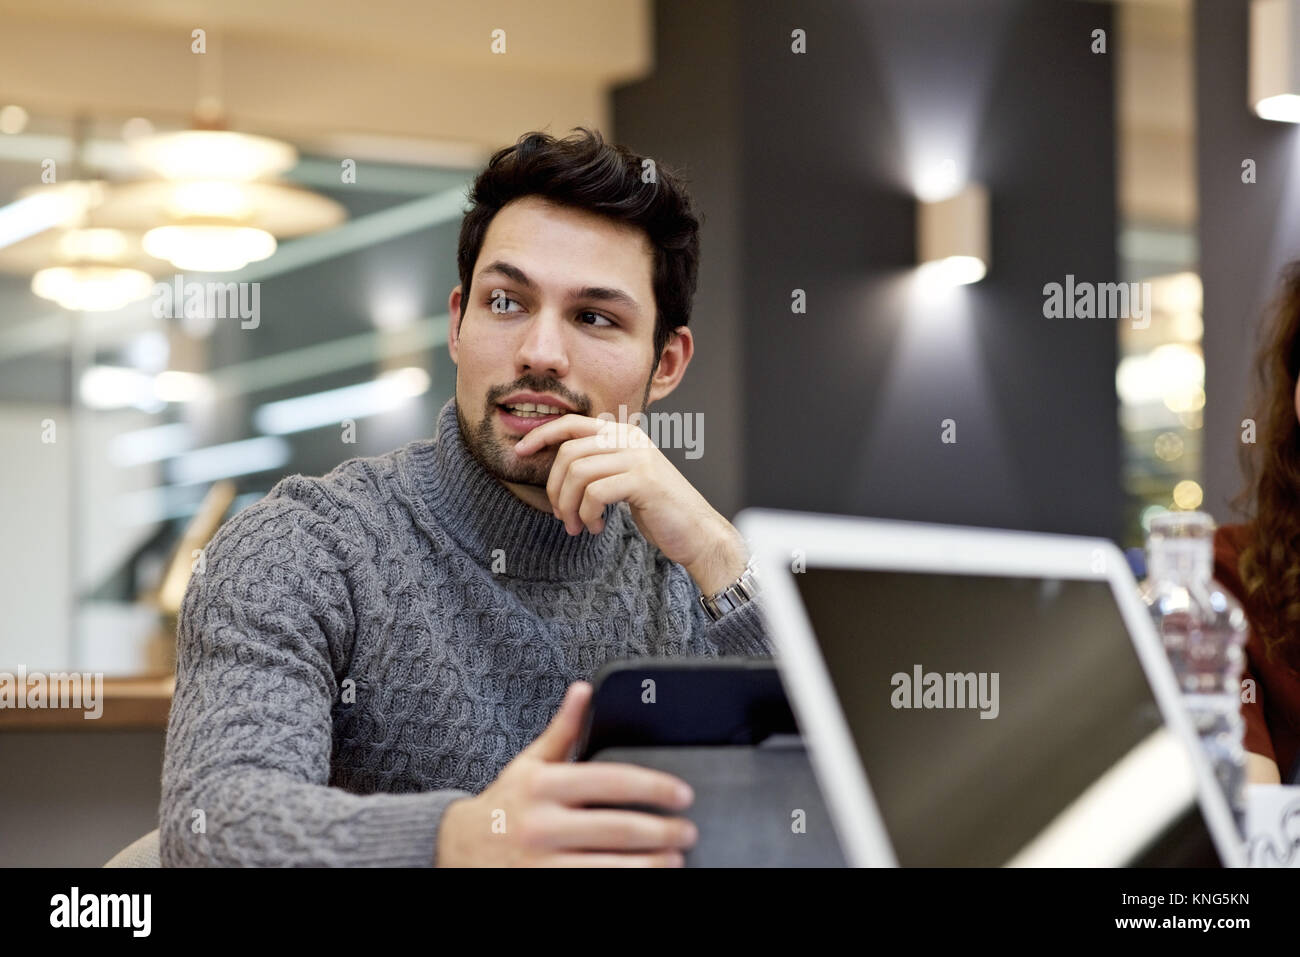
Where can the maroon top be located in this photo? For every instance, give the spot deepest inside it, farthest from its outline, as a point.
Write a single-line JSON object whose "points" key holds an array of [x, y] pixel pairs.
{"points": [[1273, 718]]}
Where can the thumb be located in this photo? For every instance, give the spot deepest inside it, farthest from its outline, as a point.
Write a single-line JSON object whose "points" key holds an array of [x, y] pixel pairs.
{"points": [[555, 743]]}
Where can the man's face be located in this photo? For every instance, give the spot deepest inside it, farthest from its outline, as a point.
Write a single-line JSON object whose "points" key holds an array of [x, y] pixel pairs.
{"points": [[561, 312]]}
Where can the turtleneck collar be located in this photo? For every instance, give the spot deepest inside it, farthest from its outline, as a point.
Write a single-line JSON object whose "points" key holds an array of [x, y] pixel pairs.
{"points": [[483, 515]]}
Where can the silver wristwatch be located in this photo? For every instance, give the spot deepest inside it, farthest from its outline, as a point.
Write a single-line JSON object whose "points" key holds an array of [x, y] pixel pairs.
{"points": [[734, 595]]}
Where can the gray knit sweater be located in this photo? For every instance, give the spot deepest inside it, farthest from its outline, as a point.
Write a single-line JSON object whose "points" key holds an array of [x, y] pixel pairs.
{"points": [[358, 650]]}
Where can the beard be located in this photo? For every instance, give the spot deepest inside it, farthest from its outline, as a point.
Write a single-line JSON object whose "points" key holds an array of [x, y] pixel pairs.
{"points": [[497, 457]]}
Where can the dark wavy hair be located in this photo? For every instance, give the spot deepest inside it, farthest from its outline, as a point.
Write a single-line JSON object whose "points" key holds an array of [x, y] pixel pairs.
{"points": [[1269, 564], [584, 172]]}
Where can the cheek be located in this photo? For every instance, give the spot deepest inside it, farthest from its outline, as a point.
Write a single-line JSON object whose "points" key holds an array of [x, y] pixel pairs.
{"points": [[477, 367], [616, 366], [480, 353]]}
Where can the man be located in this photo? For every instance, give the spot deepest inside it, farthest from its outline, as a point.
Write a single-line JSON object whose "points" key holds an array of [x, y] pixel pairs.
{"points": [[368, 660]]}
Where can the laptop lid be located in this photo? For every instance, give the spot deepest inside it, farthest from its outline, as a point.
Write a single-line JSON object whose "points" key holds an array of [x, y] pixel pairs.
{"points": [[975, 697]]}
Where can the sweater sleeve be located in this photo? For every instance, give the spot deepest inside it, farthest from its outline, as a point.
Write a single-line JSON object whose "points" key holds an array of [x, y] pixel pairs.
{"points": [[265, 624], [741, 631]]}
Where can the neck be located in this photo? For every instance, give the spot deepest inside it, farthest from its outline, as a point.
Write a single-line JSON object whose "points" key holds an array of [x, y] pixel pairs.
{"points": [[488, 517], [531, 495]]}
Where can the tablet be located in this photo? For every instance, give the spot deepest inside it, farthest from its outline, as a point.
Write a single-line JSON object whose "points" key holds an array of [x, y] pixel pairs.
{"points": [[648, 702], [724, 726]]}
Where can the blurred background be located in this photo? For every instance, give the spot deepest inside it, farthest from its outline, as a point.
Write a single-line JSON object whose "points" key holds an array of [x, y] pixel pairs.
{"points": [[320, 153]]}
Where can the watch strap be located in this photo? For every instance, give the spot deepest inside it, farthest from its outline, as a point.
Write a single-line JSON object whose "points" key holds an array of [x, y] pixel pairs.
{"points": [[738, 593]]}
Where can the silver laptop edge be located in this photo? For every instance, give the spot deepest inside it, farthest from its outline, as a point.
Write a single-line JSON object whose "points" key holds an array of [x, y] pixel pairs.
{"points": [[778, 538]]}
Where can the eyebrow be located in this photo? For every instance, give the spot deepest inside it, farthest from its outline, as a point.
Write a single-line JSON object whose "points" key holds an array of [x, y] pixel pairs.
{"points": [[593, 293]]}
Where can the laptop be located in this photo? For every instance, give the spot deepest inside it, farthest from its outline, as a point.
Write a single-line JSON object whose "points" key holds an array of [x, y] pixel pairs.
{"points": [[974, 697]]}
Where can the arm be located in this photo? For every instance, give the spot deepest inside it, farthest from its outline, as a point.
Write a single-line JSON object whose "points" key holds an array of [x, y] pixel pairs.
{"points": [[1261, 769], [743, 630], [247, 759], [1261, 764]]}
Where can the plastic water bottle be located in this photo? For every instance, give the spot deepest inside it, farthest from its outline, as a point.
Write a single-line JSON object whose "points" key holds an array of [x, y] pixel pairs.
{"points": [[1204, 633]]}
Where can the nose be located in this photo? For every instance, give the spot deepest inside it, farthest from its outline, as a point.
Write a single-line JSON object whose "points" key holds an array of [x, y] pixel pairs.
{"points": [[543, 348]]}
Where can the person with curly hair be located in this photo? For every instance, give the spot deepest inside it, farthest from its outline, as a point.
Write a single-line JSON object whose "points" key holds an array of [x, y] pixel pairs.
{"points": [[1259, 561]]}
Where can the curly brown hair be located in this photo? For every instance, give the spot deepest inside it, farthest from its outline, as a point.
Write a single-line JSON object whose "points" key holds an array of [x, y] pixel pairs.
{"points": [[1270, 563]]}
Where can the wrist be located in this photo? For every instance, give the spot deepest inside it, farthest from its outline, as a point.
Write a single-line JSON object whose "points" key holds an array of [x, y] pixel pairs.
{"points": [[447, 852], [738, 593], [722, 564]]}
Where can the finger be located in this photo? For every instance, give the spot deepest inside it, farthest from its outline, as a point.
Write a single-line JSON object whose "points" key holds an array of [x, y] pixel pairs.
{"points": [[568, 453], [613, 830], [601, 492], [559, 737], [609, 782], [570, 426], [662, 859], [610, 437], [579, 476]]}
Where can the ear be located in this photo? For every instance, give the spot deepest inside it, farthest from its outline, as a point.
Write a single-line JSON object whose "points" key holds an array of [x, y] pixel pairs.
{"points": [[453, 326], [672, 363]]}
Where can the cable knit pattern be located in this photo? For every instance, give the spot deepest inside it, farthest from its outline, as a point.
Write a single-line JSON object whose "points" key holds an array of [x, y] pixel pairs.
{"points": [[359, 650]]}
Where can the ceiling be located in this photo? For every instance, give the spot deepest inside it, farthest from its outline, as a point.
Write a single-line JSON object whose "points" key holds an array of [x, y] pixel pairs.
{"points": [[417, 81], [412, 80]]}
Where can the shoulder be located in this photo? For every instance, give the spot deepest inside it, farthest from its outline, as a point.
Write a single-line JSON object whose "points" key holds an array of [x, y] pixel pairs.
{"points": [[358, 485], [1232, 538], [334, 511], [1229, 542]]}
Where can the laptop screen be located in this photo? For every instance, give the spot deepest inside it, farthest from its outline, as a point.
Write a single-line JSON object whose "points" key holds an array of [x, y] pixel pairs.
{"points": [[1004, 720]]}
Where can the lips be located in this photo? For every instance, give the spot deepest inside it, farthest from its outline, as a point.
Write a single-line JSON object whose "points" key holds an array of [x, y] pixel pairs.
{"points": [[528, 407], [522, 422]]}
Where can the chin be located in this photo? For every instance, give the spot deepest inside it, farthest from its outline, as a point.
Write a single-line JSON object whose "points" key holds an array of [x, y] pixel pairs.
{"points": [[535, 473], [505, 466], [493, 447], [519, 474]]}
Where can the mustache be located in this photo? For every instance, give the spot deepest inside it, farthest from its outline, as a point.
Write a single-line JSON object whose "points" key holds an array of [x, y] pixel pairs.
{"points": [[533, 384]]}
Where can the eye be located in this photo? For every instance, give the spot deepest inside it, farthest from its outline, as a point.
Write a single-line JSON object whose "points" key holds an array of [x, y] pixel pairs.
{"points": [[498, 300], [597, 315]]}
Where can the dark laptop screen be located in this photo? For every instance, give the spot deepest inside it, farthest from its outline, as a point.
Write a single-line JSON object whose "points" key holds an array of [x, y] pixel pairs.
{"points": [[916, 660]]}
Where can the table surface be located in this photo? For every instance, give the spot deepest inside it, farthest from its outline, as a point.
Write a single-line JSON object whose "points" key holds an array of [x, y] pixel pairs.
{"points": [[136, 703]]}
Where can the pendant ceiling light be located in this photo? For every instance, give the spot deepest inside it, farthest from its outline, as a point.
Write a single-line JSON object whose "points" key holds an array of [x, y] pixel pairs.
{"points": [[81, 264], [213, 154], [92, 288], [213, 204], [214, 207], [213, 225]]}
